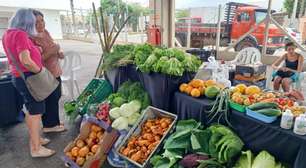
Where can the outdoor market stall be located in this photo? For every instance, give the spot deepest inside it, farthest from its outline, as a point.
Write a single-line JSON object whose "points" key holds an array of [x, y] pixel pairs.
{"points": [[283, 144], [144, 75]]}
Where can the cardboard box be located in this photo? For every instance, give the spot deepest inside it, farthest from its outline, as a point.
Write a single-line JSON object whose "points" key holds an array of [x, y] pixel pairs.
{"points": [[250, 70], [250, 79], [109, 137]]}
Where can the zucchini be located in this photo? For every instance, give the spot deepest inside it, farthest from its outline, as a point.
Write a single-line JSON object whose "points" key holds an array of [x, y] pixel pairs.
{"points": [[259, 106], [270, 112]]}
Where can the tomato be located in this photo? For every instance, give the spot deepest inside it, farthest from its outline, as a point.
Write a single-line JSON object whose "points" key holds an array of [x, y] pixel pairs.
{"points": [[290, 103]]}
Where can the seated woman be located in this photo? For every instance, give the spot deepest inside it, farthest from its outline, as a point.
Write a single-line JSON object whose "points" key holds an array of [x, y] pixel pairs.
{"points": [[289, 73]]}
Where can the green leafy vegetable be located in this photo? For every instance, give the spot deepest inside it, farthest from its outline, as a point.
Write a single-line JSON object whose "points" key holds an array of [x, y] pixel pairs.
{"points": [[187, 124], [161, 64], [224, 144], [167, 61], [120, 123], [133, 118], [175, 67], [211, 163], [147, 65], [118, 101], [264, 159], [115, 113], [191, 63], [141, 53], [128, 92], [217, 141], [120, 56], [245, 160], [200, 141]]}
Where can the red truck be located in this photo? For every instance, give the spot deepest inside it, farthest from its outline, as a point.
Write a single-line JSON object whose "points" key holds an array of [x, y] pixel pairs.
{"points": [[239, 19]]}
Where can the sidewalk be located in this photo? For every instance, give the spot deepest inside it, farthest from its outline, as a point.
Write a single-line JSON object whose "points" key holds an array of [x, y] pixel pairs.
{"points": [[14, 150]]}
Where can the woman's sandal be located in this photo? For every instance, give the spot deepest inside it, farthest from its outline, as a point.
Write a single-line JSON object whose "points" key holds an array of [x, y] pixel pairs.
{"points": [[58, 128], [42, 152]]}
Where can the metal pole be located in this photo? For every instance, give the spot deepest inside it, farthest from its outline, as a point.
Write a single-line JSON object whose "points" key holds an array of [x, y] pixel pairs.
{"points": [[73, 17], [189, 30], [126, 25], [268, 17], [293, 15], [218, 32], [302, 8], [90, 25]]}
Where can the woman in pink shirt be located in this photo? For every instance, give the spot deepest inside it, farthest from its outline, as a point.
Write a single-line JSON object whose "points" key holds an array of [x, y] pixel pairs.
{"points": [[51, 53], [18, 45]]}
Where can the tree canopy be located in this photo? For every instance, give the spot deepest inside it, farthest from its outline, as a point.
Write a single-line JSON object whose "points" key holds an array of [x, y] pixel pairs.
{"points": [[118, 9], [288, 6]]}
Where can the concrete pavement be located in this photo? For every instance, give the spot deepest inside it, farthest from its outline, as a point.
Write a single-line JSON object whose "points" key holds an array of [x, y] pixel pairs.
{"points": [[14, 150]]}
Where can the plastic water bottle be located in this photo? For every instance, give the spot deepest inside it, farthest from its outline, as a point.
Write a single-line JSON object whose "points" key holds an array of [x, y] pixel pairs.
{"points": [[300, 125], [287, 120]]}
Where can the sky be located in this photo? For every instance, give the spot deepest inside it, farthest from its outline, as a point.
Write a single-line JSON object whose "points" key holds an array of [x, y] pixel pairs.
{"points": [[276, 4], [87, 4]]}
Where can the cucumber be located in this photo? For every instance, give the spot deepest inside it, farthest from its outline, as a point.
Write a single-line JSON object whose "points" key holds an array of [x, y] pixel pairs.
{"points": [[270, 112], [259, 106]]}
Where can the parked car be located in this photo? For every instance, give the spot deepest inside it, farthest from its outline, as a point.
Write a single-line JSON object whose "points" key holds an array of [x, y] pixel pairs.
{"points": [[295, 34]]}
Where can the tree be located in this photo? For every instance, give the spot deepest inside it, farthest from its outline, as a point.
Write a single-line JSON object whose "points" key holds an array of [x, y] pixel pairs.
{"points": [[112, 7], [288, 6], [182, 13]]}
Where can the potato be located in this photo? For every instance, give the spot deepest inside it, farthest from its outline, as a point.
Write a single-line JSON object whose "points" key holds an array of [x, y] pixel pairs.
{"points": [[95, 148], [137, 156], [80, 161], [126, 151], [164, 124], [93, 135], [100, 135], [89, 142], [95, 128], [90, 154], [80, 143], [75, 151], [83, 151]]}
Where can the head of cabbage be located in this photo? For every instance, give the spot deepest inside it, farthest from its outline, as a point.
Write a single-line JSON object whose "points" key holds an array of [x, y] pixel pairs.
{"points": [[130, 108], [121, 123]]}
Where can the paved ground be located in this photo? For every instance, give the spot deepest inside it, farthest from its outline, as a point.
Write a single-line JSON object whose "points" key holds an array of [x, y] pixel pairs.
{"points": [[14, 151]]}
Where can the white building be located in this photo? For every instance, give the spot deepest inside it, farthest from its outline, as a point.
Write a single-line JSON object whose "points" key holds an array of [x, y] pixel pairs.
{"points": [[50, 8]]}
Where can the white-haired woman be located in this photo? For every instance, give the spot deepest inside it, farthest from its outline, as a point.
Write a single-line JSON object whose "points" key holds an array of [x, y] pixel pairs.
{"points": [[17, 44]]}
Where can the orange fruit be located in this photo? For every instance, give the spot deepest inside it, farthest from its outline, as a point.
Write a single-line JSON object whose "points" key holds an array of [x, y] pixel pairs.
{"points": [[202, 90], [197, 83], [241, 88], [183, 87], [195, 92], [252, 90], [188, 90], [210, 82]]}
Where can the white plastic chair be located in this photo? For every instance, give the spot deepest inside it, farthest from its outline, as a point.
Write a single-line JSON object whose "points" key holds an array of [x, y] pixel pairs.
{"points": [[70, 65], [249, 55]]}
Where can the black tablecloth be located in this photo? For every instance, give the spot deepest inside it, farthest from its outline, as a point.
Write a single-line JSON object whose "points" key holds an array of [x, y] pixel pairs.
{"points": [[161, 87], [187, 107], [283, 144], [10, 103], [119, 75]]}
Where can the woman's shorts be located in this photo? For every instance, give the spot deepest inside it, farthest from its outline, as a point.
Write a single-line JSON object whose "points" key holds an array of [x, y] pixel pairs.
{"points": [[31, 104], [294, 77]]}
